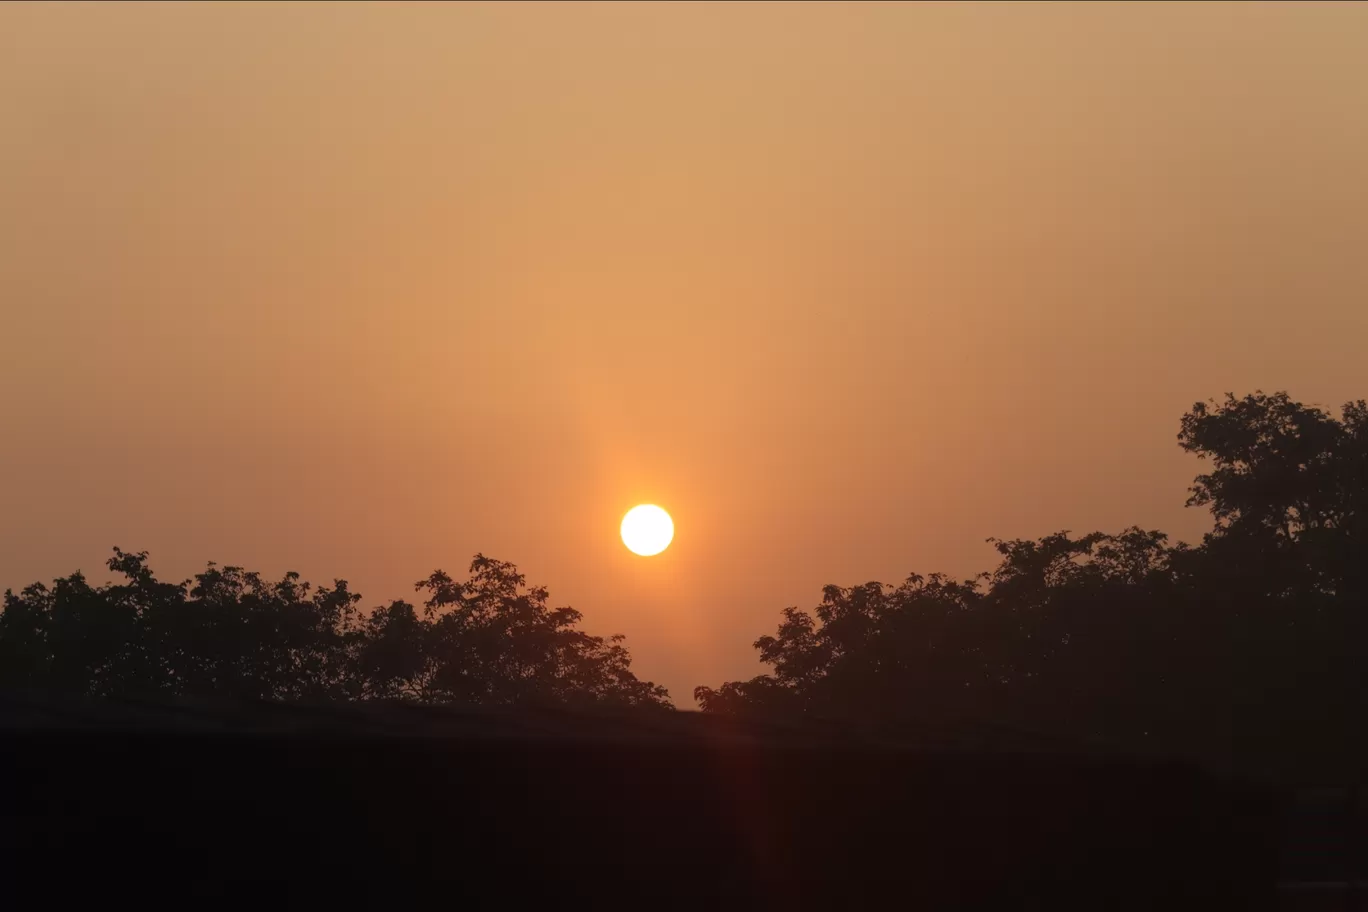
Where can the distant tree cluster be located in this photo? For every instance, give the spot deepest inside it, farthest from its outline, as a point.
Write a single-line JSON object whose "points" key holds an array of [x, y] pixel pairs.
{"points": [[1251, 644], [489, 639]]}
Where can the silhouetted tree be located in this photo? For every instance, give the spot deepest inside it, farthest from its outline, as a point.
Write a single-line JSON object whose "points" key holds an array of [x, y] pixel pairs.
{"points": [[938, 649], [492, 639], [1248, 645], [229, 632]]}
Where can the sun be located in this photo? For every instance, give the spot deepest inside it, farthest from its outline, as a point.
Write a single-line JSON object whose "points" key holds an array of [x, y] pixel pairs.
{"points": [[647, 530]]}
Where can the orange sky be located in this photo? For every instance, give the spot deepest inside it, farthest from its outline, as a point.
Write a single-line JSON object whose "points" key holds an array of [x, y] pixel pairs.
{"points": [[361, 290]]}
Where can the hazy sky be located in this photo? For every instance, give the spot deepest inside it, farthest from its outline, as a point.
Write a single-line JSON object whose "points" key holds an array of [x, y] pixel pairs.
{"points": [[362, 290]]}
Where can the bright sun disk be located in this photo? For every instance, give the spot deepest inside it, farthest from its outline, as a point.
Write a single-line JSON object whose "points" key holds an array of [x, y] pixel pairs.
{"points": [[647, 530]]}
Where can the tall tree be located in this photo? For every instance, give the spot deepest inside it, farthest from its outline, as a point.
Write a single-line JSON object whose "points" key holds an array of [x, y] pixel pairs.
{"points": [[1248, 645]]}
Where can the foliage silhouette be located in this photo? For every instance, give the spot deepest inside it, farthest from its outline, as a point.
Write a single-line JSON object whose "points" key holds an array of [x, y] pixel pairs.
{"points": [[230, 633], [1244, 649]]}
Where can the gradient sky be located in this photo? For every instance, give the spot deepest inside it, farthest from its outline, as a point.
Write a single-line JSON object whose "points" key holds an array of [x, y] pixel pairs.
{"points": [[362, 290]]}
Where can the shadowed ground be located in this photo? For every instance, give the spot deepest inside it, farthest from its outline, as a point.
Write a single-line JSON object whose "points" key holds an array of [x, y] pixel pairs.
{"points": [[389, 803]]}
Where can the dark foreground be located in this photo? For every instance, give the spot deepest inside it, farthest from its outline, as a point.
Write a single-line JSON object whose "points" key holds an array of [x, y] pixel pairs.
{"points": [[392, 805]]}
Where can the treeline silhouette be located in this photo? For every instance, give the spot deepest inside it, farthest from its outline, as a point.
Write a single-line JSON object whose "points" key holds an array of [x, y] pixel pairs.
{"points": [[1246, 647], [1245, 650], [489, 639]]}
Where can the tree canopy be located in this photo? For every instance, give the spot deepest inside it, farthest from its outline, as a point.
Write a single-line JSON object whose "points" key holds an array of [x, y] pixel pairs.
{"points": [[229, 632], [1246, 645]]}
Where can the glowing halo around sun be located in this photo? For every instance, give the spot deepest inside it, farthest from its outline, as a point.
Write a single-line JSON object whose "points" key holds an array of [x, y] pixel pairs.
{"points": [[647, 530]]}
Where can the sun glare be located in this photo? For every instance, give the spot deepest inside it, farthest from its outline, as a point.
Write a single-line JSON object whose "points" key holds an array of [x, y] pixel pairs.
{"points": [[647, 530]]}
